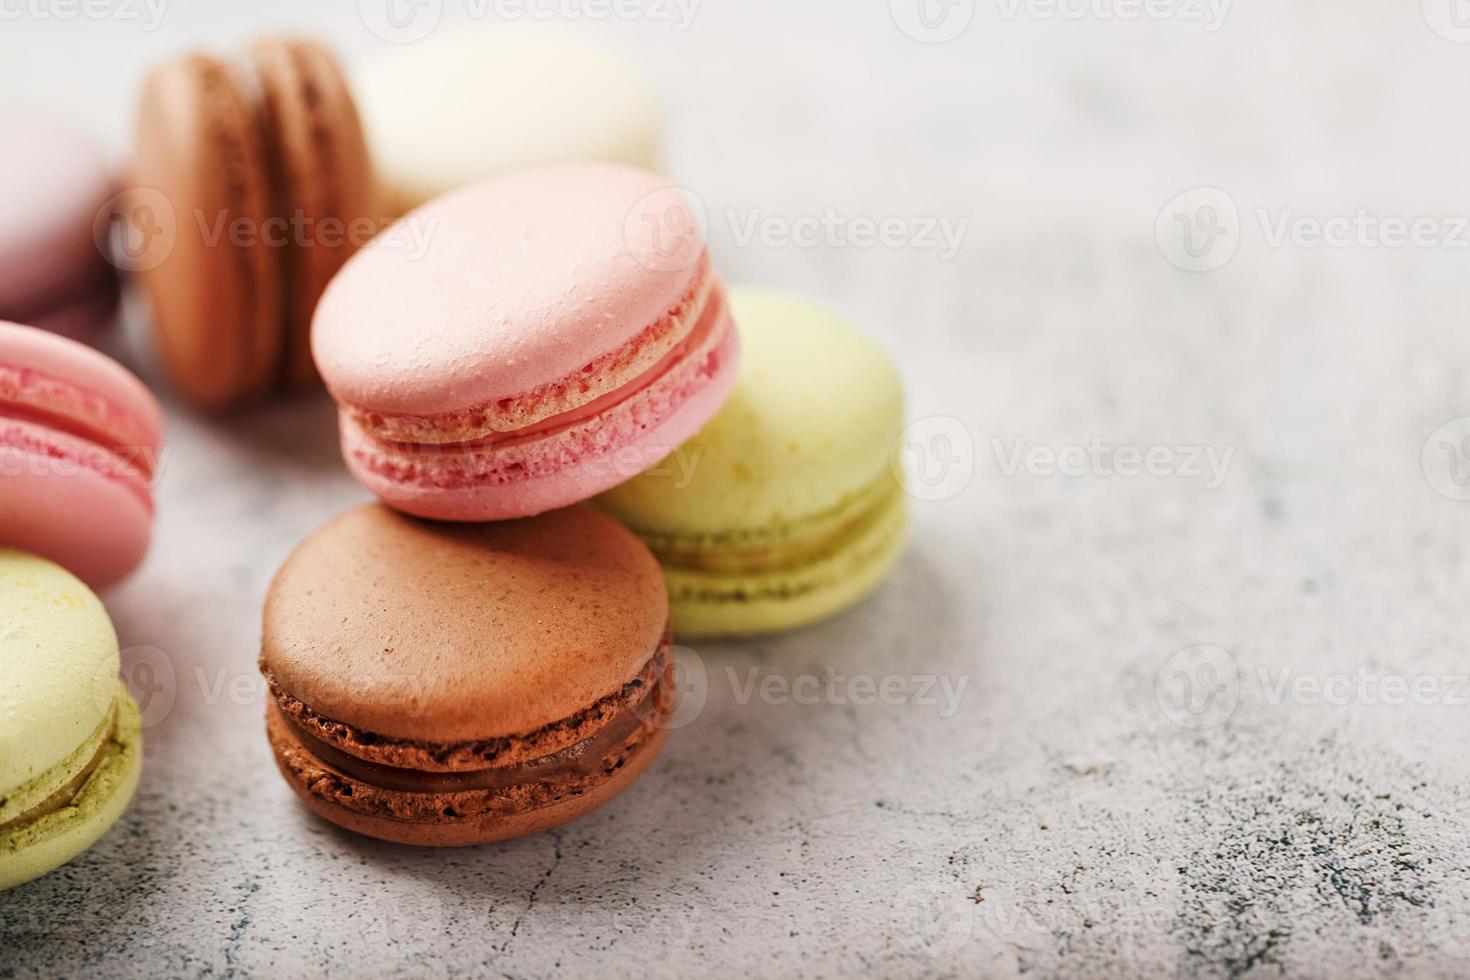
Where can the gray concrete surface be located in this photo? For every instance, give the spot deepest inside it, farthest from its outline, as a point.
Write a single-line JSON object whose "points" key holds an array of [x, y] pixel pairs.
{"points": [[1212, 722]]}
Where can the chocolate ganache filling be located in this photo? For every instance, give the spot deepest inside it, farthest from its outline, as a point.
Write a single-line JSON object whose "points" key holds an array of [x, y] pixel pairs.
{"points": [[583, 758]]}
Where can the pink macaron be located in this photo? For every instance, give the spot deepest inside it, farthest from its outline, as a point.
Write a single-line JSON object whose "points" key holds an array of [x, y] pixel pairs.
{"points": [[54, 193], [527, 342], [80, 443]]}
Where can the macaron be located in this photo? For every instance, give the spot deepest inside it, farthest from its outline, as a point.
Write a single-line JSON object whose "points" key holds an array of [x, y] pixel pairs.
{"points": [[80, 447], [254, 175], [453, 684], [70, 744], [54, 184], [451, 110], [562, 330], [785, 509]]}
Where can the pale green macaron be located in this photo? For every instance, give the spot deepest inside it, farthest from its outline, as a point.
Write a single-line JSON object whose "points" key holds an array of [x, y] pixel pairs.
{"points": [[70, 747], [786, 508]]}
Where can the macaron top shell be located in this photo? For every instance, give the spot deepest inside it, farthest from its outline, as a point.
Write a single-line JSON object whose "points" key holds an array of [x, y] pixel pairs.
{"points": [[810, 424], [447, 112], [53, 180], [59, 658], [95, 393], [524, 280], [454, 633]]}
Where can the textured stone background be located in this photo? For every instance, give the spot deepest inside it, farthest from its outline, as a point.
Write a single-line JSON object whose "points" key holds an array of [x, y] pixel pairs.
{"points": [[1067, 819]]}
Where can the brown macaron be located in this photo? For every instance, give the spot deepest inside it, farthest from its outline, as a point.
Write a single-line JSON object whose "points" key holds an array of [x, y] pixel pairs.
{"points": [[261, 170], [453, 684]]}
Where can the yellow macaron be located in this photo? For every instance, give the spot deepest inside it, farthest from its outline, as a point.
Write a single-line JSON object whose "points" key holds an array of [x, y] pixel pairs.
{"points": [[785, 508], [70, 746]]}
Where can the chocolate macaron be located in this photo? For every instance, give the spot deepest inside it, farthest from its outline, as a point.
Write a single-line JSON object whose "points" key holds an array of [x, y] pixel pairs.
{"points": [[253, 186], [450, 685]]}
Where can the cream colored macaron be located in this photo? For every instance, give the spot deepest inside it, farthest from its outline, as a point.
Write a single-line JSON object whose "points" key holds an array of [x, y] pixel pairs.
{"points": [[450, 110], [70, 748]]}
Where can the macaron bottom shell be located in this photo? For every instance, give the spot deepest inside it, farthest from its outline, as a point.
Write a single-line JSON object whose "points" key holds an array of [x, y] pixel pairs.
{"points": [[36, 848], [318, 786], [707, 604], [61, 506]]}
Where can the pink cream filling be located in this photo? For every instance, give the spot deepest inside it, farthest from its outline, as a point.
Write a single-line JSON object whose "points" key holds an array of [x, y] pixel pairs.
{"points": [[46, 416], [399, 430], [711, 316]]}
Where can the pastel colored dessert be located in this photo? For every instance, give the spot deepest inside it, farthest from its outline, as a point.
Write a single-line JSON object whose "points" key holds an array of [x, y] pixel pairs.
{"points": [[53, 274], [784, 509], [452, 110], [453, 684], [80, 442], [70, 744], [563, 331], [262, 167]]}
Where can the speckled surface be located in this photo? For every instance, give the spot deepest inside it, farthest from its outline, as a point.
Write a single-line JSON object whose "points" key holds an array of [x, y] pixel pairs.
{"points": [[1062, 821]]}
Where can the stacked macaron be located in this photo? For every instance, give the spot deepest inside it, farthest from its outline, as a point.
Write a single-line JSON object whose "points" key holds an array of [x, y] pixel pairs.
{"points": [[459, 682], [563, 335]]}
